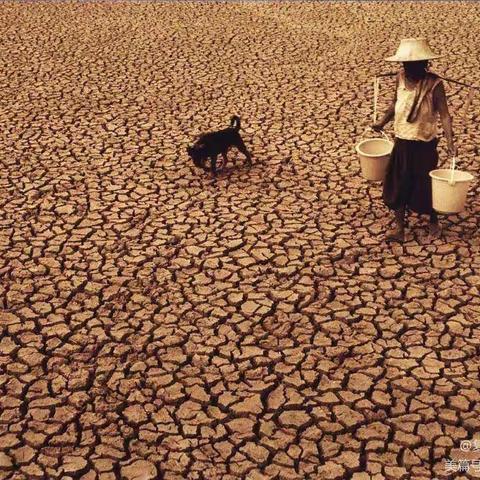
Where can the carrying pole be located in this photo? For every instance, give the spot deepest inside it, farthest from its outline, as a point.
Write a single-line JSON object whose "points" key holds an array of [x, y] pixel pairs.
{"points": [[392, 74]]}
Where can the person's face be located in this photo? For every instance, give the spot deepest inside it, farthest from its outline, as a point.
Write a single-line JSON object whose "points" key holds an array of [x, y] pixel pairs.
{"points": [[415, 69]]}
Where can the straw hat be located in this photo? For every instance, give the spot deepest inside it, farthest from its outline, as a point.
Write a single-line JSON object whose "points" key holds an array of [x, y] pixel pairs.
{"points": [[413, 50]]}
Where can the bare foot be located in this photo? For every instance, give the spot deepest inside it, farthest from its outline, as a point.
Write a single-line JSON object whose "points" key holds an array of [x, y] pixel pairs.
{"points": [[434, 230], [397, 235]]}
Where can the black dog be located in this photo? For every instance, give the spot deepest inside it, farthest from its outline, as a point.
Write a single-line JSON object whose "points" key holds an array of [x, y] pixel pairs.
{"points": [[210, 145]]}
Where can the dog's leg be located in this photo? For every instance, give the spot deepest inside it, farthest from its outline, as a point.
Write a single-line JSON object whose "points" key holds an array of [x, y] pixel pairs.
{"points": [[241, 146], [225, 158], [214, 164]]}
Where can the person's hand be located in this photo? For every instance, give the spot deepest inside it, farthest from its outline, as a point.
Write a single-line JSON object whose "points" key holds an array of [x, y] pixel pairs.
{"points": [[452, 150], [378, 127]]}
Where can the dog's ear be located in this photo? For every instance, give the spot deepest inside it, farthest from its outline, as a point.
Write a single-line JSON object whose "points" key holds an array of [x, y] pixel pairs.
{"points": [[189, 149]]}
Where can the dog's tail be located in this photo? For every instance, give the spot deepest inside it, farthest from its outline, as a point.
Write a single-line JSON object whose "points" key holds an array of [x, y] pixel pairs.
{"points": [[235, 122]]}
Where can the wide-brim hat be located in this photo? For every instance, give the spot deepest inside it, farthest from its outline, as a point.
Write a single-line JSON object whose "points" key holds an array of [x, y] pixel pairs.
{"points": [[413, 50]]}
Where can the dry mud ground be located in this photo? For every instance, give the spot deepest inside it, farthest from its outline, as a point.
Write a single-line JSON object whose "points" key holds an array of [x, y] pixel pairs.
{"points": [[159, 324]]}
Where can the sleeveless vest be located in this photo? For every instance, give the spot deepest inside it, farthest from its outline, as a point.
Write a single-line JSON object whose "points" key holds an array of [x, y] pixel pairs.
{"points": [[415, 115]]}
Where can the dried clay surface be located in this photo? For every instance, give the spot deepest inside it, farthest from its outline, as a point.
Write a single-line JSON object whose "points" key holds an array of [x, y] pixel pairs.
{"points": [[159, 324]]}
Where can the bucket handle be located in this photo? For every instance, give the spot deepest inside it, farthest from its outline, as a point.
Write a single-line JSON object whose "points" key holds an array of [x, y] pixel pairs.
{"points": [[370, 129], [452, 170], [385, 135]]}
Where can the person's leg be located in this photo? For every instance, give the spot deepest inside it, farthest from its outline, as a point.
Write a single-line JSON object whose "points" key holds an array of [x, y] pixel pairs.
{"points": [[434, 227], [398, 233], [426, 160], [394, 188]]}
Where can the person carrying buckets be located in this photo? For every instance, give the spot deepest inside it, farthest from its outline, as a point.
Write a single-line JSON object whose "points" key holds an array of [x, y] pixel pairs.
{"points": [[419, 101]]}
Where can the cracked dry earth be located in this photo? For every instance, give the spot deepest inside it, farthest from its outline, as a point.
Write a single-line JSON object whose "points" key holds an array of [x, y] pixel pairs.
{"points": [[158, 324]]}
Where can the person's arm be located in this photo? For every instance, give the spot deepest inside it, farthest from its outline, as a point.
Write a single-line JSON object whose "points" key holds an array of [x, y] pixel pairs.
{"points": [[389, 114], [440, 104]]}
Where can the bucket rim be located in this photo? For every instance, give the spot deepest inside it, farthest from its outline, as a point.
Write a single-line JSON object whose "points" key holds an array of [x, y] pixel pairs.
{"points": [[442, 179], [359, 144]]}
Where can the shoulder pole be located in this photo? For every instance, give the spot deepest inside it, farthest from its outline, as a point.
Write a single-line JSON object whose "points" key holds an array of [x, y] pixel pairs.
{"points": [[392, 74]]}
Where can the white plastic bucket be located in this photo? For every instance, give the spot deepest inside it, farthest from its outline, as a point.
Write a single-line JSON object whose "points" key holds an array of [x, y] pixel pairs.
{"points": [[374, 155], [449, 189]]}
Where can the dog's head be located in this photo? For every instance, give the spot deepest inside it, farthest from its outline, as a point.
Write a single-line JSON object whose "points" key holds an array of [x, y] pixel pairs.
{"points": [[197, 154]]}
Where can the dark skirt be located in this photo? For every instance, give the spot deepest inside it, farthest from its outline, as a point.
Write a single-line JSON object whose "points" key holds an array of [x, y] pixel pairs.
{"points": [[407, 183]]}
